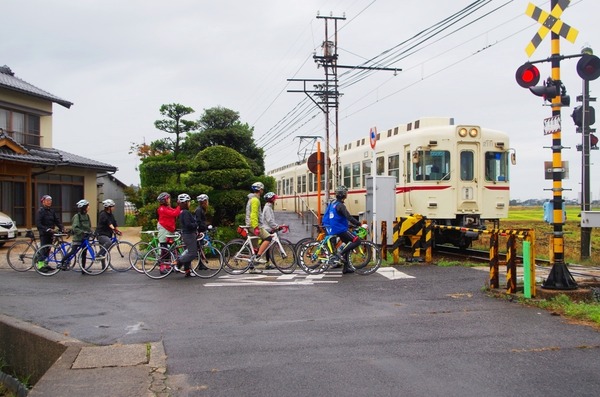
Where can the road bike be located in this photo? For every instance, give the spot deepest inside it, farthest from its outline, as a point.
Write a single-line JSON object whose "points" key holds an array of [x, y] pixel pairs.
{"points": [[122, 254], [91, 256], [141, 248], [315, 257], [20, 255], [239, 255], [159, 262]]}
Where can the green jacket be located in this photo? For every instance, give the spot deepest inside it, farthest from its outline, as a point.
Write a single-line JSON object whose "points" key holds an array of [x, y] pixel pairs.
{"points": [[80, 224]]}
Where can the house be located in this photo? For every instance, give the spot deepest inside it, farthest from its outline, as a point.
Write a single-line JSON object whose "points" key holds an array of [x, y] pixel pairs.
{"points": [[30, 166]]}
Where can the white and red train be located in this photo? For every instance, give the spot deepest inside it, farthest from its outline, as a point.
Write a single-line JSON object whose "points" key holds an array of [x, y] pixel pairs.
{"points": [[456, 175]]}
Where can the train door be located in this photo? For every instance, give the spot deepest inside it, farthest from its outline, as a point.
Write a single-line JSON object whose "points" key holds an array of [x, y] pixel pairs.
{"points": [[468, 187]]}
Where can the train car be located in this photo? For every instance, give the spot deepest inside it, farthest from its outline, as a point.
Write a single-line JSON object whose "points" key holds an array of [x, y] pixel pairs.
{"points": [[456, 175]]}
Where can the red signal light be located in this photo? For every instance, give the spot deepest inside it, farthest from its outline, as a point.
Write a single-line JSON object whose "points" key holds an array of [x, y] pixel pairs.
{"points": [[588, 67], [527, 75]]}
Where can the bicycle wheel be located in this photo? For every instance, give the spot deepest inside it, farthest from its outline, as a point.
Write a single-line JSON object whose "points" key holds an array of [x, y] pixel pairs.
{"points": [[314, 257], [365, 259], [210, 262], [20, 255], [51, 256], [158, 263], [236, 257], [300, 243], [120, 256], [284, 257], [136, 255], [94, 262]]}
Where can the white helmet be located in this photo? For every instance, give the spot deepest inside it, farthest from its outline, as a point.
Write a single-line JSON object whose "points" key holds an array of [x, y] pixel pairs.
{"points": [[82, 203], [256, 186], [183, 198], [202, 197], [108, 203]]}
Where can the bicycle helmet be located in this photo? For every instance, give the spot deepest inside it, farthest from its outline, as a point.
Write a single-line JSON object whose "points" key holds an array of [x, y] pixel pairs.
{"points": [[183, 198], [108, 203], [46, 197], [256, 186], [202, 197], [270, 197], [82, 203], [163, 197], [341, 192]]}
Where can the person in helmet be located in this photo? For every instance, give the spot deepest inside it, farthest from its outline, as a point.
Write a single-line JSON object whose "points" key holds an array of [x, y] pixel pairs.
{"points": [[253, 214], [107, 224], [201, 213], [167, 218], [268, 223], [189, 232], [46, 221], [336, 220], [80, 226]]}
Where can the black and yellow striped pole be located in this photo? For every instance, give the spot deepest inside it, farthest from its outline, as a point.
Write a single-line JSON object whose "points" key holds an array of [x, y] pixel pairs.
{"points": [[559, 277]]}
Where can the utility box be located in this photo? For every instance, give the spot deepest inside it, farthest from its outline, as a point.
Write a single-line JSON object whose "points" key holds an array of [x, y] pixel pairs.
{"points": [[549, 212], [384, 207], [590, 218]]}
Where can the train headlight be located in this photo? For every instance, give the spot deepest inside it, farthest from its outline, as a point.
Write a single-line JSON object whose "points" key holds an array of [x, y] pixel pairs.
{"points": [[462, 132], [473, 132]]}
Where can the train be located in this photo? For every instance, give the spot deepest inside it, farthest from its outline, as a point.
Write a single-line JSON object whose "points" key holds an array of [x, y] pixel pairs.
{"points": [[452, 174]]}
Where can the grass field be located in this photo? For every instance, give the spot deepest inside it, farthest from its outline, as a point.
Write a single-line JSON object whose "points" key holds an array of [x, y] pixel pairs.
{"points": [[532, 218]]}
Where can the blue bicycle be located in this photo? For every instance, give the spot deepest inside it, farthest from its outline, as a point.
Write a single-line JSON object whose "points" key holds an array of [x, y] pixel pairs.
{"points": [[91, 256]]}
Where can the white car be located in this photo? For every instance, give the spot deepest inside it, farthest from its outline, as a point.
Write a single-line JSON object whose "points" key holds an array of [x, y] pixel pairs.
{"points": [[8, 229]]}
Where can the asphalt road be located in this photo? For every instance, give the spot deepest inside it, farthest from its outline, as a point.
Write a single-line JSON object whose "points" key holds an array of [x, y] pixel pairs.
{"points": [[414, 331]]}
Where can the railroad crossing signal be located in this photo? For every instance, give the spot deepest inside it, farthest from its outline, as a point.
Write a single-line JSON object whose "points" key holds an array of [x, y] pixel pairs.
{"points": [[527, 75], [550, 22], [588, 67]]}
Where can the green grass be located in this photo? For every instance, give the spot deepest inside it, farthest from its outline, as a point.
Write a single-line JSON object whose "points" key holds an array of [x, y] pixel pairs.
{"points": [[584, 311]]}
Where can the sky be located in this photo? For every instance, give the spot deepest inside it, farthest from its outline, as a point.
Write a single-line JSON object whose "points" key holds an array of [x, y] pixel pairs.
{"points": [[119, 61]]}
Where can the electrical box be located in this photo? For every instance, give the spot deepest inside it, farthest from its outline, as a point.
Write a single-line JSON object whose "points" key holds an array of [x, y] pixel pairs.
{"points": [[384, 207], [590, 218], [549, 212]]}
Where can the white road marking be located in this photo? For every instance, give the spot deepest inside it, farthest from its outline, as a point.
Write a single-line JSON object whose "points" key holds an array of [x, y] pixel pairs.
{"points": [[392, 274]]}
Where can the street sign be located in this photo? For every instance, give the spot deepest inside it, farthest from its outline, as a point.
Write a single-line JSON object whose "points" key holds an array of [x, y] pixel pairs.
{"points": [[373, 137], [550, 22], [313, 162], [552, 125]]}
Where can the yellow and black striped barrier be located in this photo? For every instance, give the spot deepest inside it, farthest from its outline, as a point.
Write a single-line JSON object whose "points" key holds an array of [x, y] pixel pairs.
{"points": [[419, 231]]}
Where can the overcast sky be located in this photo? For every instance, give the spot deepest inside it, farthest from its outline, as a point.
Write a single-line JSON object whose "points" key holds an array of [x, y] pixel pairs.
{"points": [[119, 61]]}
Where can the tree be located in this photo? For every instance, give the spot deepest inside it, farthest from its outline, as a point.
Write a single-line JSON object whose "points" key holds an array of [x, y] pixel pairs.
{"points": [[175, 124], [221, 126]]}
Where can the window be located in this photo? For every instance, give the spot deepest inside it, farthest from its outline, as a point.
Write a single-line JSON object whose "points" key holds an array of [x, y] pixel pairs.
{"points": [[64, 193], [394, 166], [467, 161], [356, 174], [380, 165], [347, 176], [366, 171], [433, 165], [496, 166], [23, 128]]}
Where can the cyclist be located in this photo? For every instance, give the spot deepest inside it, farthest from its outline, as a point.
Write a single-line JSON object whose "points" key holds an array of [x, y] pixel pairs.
{"points": [[189, 233], [46, 220], [167, 217], [268, 223], [336, 221], [107, 225], [253, 213], [201, 213], [80, 226]]}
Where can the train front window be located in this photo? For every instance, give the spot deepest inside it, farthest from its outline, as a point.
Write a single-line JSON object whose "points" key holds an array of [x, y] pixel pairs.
{"points": [[431, 165], [496, 166], [467, 165]]}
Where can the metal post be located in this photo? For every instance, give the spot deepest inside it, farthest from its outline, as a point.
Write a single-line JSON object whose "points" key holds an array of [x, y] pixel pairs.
{"points": [[559, 277], [586, 232]]}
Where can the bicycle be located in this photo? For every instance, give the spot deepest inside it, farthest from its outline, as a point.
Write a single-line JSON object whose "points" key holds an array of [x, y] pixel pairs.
{"points": [[239, 255], [91, 256], [318, 256], [159, 262], [141, 248], [121, 254], [20, 255]]}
